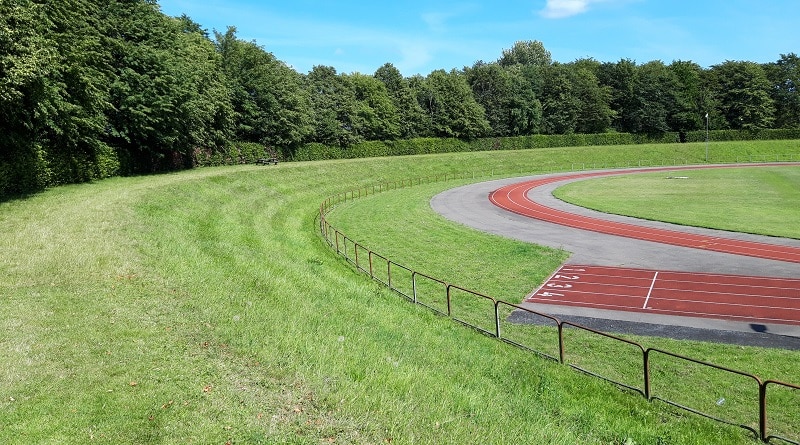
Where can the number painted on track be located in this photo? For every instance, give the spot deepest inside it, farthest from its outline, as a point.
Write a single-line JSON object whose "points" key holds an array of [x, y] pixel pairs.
{"points": [[566, 277]]}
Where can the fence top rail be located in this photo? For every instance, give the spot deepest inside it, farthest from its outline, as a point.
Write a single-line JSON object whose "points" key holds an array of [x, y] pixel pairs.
{"points": [[778, 382], [477, 294], [332, 200], [373, 253], [414, 273], [705, 363], [530, 311], [604, 334], [392, 263]]}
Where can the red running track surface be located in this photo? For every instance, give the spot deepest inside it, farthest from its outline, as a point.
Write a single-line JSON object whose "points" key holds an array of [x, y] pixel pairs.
{"points": [[514, 198], [731, 297]]}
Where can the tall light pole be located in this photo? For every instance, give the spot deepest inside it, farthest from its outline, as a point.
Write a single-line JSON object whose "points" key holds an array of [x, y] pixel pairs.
{"points": [[706, 136]]}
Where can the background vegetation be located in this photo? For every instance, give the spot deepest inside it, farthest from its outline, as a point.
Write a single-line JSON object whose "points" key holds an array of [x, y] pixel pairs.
{"points": [[91, 89]]}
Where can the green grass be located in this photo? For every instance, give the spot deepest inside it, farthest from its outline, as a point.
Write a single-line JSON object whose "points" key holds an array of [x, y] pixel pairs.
{"points": [[762, 200], [203, 307], [400, 225], [498, 267]]}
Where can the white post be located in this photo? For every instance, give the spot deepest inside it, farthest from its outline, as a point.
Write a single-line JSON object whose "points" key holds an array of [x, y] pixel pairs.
{"points": [[706, 136]]}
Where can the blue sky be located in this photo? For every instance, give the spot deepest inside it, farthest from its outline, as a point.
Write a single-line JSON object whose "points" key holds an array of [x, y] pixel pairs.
{"points": [[419, 36]]}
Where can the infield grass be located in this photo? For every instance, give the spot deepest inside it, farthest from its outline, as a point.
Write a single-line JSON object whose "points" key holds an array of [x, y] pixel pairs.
{"points": [[763, 200], [204, 307]]}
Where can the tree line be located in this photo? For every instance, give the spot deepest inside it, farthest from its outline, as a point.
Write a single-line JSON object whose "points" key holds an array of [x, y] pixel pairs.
{"points": [[95, 88]]}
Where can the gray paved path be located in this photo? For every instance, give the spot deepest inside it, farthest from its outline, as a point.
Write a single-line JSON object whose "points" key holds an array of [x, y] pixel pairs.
{"points": [[469, 205]]}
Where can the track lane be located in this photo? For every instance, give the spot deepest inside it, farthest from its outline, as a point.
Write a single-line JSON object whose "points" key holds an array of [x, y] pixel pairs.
{"points": [[514, 198], [731, 297]]}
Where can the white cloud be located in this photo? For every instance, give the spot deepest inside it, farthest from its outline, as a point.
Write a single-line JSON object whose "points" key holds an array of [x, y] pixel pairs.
{"points": [[436, 20], [558, 9]]}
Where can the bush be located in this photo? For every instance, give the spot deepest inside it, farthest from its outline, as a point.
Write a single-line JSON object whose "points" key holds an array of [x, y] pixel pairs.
{"points": [[23, 171], [315, 151], [33, 169]]}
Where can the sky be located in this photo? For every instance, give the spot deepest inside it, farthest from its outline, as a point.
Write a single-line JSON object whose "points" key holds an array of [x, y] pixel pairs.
{"points": [[418, 36]]}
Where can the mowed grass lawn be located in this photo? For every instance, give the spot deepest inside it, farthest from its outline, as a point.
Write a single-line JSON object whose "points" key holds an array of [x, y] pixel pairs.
{"points": [[204, 307], [761, 200], [400, 225]]}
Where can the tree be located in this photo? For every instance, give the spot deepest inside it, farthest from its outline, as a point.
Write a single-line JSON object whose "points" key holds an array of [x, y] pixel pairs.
{"points": [[419, 88], [528, 52], [269, 99], [375, 115], [620, 77], [202, 95], [784, 76], [451, 106], [744, 95], [145, 119], [508, 99], [594, 113], [641, 96], [655, 89], [72, 113], [334, 107], [26, 61], [573, 101], [689, 105], [560, 105], [410, 114], [105, 87], [523, 108]]}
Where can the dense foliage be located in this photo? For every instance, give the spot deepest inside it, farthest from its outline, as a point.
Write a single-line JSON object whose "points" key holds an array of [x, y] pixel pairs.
{"points": [[95, 88]]}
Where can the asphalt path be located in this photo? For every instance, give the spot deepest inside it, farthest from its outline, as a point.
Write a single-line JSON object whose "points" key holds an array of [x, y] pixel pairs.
{"points": [[470, 206]]}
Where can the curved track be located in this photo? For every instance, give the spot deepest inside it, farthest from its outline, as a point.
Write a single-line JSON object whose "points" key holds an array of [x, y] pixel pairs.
{"points": [[514, 198], [717, 290]]}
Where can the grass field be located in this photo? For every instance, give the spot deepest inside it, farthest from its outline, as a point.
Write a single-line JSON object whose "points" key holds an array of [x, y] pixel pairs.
{"points": [[764, 201], [203, 307], [506, 269]]}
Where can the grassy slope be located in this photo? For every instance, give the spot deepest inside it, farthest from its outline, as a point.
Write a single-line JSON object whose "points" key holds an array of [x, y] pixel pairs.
{"points": [[202, 307]]}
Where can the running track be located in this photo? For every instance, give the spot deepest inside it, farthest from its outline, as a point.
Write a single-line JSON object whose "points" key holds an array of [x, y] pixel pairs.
{"points": [[759, 300], [739, 298]]}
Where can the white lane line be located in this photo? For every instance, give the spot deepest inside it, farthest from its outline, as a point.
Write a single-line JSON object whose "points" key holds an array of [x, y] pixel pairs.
{"points": [[650, 291], [536, 292]]}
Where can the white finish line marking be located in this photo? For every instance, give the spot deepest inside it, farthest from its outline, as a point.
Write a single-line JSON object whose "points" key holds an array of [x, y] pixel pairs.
{"points": [[650, 291]]}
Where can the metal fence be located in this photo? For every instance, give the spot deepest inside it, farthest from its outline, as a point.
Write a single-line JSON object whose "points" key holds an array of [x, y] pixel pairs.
{"points": [[769, 409]]}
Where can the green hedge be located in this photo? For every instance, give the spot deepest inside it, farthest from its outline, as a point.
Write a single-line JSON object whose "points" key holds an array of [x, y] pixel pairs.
{"points": [[313, 152], [22, 171], [238, 153], [744, 135], [31, 169]]}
